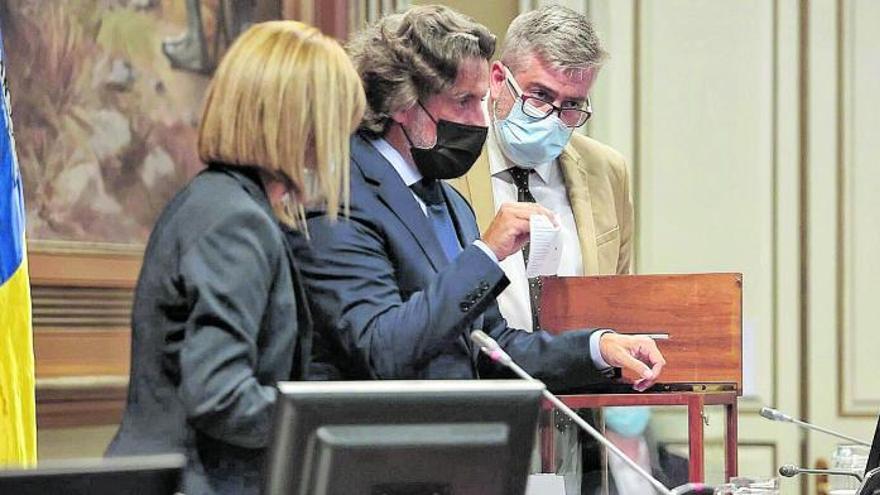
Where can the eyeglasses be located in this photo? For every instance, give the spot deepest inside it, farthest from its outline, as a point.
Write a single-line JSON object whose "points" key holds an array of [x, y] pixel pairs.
{"points": [[541, 109]]}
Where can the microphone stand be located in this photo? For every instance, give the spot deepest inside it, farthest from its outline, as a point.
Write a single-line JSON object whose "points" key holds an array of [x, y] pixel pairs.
{"points": [[776, 415], [790, 471], [494, 351]]}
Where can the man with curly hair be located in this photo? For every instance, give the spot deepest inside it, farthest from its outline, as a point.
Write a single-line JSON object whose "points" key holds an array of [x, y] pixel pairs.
{"points": [[399, 285]]}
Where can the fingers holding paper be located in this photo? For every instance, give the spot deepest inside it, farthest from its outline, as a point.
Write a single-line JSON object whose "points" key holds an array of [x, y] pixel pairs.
{"points": [[638, 355], [510, 228]]}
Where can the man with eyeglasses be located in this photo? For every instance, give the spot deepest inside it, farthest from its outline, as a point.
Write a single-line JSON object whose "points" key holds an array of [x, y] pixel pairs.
{"points": [[538, 99]]}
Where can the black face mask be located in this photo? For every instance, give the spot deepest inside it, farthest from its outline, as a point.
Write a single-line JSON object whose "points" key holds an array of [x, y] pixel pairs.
{"points": [[457, 148]]}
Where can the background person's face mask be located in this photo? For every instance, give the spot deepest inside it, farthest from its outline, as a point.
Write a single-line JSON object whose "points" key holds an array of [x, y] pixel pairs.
{"points": [[457, 148], [525, 140], [629, 422]]}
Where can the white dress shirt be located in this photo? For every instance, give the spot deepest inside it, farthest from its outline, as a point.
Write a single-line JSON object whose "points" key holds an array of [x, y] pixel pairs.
{"points": [[547, 185]]}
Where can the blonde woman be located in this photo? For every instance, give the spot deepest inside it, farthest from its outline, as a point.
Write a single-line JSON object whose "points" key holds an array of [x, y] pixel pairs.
{"points": [[219, 314]]}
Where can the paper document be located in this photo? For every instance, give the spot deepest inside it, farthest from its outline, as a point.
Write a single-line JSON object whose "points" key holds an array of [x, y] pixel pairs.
{"points": [[545, 247]]}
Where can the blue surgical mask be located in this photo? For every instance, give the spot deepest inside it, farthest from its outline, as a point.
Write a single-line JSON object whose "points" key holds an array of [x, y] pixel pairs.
{"points": [[525, 140], [629, 422]]}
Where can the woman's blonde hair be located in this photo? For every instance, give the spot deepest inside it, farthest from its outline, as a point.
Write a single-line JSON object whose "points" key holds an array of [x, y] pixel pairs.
{"points": [[285, 98]]}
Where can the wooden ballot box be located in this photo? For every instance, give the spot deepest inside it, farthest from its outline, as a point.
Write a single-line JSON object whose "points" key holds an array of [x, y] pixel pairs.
{"points": [[696, 321]]}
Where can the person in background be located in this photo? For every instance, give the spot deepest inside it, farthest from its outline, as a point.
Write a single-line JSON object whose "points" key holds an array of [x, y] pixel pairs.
{"points": [[219, 312], [398, 288], [539, 98], [628, 429]]}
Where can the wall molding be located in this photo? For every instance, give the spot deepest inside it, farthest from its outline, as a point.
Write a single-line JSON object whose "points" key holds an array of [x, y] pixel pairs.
{"points": [[82, 304], [849, 403]]}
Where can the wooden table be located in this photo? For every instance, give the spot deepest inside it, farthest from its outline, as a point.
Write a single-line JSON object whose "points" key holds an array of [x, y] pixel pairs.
{"points": [[695, 402]]}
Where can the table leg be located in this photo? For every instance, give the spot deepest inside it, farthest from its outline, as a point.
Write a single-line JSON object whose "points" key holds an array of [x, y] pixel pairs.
{"points": [[548, 442], [731, 438], [695, 439]]}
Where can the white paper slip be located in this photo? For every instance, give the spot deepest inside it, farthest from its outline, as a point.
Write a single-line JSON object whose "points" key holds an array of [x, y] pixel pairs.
{"points": [[545, 247]]}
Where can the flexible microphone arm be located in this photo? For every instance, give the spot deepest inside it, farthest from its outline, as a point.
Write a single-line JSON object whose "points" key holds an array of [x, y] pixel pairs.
{"points": [[790, 471], [493, 350], [775, 415]]}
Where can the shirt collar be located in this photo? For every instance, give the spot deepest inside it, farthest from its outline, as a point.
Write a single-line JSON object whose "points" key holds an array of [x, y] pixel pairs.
{"points": [[498, 162], [407, 171]]}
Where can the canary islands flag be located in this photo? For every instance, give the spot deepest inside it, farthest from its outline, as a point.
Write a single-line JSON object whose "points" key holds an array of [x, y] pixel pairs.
{"points": [[18, 432]]}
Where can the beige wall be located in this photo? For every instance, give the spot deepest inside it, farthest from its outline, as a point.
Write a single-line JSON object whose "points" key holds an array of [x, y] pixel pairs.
{"points": [[754, 150], [495, 14]]}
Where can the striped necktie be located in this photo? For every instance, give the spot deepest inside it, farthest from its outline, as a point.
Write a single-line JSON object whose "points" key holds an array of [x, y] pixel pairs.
{"points": [[524, 195]]}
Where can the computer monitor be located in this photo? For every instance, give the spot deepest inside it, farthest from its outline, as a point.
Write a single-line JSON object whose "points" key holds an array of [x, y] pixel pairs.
{"points": [[146, 475], [461, 437]]}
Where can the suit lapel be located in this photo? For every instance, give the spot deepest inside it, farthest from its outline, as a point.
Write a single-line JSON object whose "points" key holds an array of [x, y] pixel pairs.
{"points": [[392, 191], [577, 185], [459, 211], [467, 234], [476, 187]]}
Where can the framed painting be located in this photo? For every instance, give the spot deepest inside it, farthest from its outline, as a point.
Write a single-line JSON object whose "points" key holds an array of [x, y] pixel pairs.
{"points": [[106, 97]]}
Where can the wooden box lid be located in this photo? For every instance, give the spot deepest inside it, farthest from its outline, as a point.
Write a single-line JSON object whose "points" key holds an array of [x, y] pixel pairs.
{"points": [[701, 313]]}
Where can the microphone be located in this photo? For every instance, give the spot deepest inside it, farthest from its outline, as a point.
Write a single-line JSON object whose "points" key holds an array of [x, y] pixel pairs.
{"points": [[790, 471], [775, 415], [491, 348]]}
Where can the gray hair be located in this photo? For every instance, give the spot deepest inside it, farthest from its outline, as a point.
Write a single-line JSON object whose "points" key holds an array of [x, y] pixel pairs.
{"points": [[407, 57], [559, 36]]}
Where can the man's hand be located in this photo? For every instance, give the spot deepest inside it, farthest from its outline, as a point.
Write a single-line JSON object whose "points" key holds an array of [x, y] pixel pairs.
{"points": [[637, 354], [509, 229]]}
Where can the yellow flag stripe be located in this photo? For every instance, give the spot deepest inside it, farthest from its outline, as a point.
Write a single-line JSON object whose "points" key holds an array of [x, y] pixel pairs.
{"points": [[18, 429]]}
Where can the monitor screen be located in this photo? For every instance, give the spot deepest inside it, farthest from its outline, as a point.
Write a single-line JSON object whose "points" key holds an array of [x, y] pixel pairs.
{"points": [[146, 475], [457, 437]]}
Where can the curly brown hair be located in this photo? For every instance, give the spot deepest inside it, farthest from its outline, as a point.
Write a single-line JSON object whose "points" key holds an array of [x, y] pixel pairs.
{"points": [[407, 57]]}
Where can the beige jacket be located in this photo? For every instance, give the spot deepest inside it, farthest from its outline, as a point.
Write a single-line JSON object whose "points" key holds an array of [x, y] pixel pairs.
{"points": [[597, 179]]}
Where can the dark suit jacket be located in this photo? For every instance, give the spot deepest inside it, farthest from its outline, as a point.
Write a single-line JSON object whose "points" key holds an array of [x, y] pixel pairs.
{"points": [[389, 305], [215, 324]]}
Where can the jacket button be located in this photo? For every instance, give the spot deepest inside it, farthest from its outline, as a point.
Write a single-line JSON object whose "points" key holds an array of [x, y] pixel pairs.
{"points": [[465, 307], [484, 286]]}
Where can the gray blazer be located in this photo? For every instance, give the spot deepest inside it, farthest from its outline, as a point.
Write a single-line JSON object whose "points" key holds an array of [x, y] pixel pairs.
{"points": [[219, 317]]}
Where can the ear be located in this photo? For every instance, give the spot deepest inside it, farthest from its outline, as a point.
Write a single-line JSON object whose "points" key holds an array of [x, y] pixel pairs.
{"points": [[404, 117], [497, 78]]}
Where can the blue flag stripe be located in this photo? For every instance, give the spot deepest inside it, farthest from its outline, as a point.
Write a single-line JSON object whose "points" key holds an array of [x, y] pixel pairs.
{"points": [[11, 194]]}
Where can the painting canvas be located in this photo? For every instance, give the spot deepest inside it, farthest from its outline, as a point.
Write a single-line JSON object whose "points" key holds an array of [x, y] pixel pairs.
{"points": [[106, 97]]}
